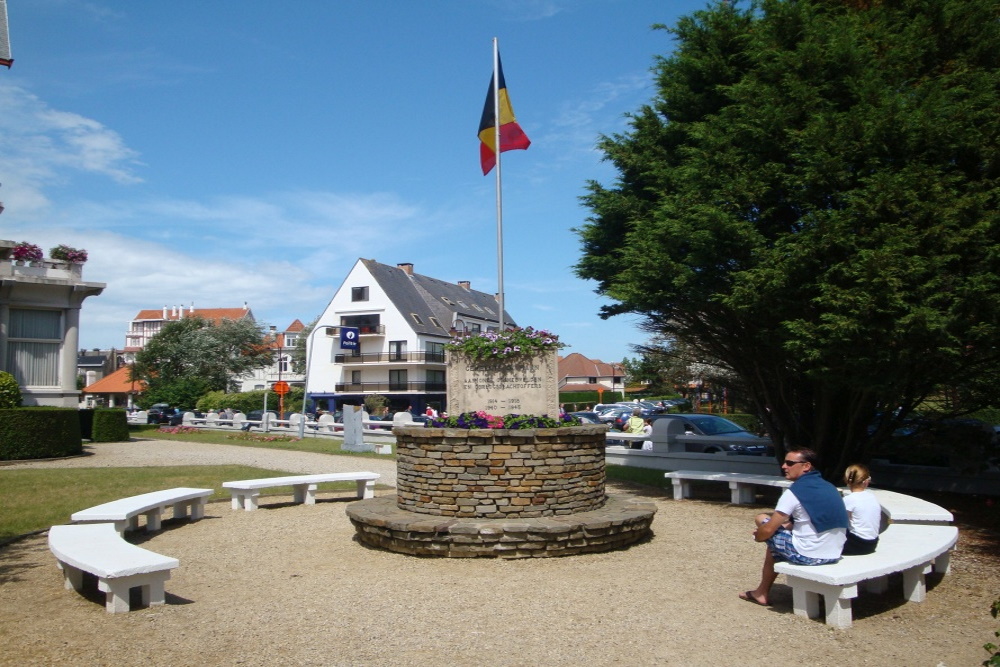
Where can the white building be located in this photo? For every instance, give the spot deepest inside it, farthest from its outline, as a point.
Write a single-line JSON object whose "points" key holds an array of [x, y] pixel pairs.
{"points": [[282, 344], [40, 304], [404, 320], [147, 323]]}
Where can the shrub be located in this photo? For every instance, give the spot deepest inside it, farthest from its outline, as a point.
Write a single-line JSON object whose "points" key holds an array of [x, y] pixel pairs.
{"points": [[10, 391], [39, 433], [68, 254], [110, 425], [476, 420]]}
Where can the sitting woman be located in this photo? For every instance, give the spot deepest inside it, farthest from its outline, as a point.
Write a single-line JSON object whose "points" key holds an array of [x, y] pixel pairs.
{"points": [[863, 512]]}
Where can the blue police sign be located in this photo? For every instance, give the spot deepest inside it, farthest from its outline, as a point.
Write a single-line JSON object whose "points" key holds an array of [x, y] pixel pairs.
{"points": [[349, 338]]}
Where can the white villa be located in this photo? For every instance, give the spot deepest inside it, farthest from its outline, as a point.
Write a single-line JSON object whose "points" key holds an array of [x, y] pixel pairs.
{"points": [[404, 320]]}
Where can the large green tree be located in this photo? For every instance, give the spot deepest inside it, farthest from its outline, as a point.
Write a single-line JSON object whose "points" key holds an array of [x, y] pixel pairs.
{"points": [[811, 199], [192, 356]]}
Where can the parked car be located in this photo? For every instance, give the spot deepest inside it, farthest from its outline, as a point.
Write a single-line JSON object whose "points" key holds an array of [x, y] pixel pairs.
{"points": [[162, 413], [586, 417], [721, 435]]}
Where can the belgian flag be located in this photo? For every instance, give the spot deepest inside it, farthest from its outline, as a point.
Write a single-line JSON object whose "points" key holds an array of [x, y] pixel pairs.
{"points": [[511, 135]]}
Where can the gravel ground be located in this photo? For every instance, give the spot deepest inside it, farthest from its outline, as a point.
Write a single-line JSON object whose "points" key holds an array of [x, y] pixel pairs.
{"points": [[288, 585]]}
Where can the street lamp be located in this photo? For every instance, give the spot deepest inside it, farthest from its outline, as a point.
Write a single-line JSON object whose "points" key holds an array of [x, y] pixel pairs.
{"points": [[305, 379]]}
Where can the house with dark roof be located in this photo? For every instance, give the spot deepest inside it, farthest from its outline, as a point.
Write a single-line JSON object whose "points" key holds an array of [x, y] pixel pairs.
{"points": [[404, 320]]}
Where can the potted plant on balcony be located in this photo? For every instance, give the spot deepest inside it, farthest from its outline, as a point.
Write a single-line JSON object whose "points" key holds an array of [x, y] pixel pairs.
{"points": [[67, 254], [25, 252]]}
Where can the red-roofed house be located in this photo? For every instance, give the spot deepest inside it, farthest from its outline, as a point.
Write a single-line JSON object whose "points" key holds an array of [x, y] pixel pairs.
{"points": [[578, 373], [114, 391], [148, 323]]}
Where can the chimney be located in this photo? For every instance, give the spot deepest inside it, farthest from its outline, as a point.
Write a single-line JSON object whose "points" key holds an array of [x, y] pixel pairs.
{"points": [[465, 284], [407, 268], [164, 312], [180, 313], [191, 312], [245, 306]]}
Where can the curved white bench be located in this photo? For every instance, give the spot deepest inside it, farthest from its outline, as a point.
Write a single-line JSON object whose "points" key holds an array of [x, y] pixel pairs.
{"points": [[125, 512], [908, 548], [119, 566], [740, 483], [896, 507], [247, 491]]}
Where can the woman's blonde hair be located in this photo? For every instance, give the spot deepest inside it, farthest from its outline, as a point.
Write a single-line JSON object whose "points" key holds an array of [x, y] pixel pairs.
{"points": [[856, 474]]}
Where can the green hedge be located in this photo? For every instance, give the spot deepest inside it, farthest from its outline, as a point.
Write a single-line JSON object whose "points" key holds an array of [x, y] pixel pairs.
{"points": [[584, 398], [39, 433], [110, 425]]}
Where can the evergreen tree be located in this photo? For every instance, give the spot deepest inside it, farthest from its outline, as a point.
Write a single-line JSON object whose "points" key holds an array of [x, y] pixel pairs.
{"points": [[811, 199]]}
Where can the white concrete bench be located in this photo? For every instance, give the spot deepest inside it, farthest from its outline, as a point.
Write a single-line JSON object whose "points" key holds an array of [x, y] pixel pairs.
{"points": [[908, 548], [125, 512], [896, 507], [901, 508], [246, 492], [119, 566], [741, 484]]}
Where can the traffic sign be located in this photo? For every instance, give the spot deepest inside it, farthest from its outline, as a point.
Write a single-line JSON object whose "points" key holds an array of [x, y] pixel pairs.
{"points": [[280, 387]]}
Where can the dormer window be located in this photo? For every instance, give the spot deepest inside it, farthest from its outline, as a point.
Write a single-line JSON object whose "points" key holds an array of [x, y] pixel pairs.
{"points": [[448, 301], [359, 293], [416, 318], [435, 322]]}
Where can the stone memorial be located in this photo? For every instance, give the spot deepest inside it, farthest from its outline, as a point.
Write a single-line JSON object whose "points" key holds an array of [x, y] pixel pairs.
{"points": [[522, 385]]}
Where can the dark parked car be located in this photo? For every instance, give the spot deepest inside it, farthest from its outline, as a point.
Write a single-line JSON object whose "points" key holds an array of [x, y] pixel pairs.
{"points": [[586, 417], [721, 435], [161, 413]]}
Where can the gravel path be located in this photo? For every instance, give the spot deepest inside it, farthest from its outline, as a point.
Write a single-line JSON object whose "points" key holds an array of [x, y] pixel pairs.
{"points": [[141, 452], [288, 585]]}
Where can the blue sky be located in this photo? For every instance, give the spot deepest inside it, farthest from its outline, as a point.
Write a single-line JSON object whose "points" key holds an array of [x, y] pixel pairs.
{"points": [[231, 151]]}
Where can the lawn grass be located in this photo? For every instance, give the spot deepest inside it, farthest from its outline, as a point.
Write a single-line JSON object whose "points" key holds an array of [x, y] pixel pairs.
{"points": [[319, 445], [645, 476], [34, 499]]}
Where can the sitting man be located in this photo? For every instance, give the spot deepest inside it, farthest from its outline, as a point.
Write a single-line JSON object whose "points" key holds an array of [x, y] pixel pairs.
{"points": [[818, 523]]}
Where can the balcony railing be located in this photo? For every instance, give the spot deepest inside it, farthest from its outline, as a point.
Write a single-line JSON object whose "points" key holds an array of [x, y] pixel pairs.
{"points": [[371, 387], [390, 358]]}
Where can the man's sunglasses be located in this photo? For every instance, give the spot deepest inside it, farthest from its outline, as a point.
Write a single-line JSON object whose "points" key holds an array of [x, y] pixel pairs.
{"points": [[791, 463]]}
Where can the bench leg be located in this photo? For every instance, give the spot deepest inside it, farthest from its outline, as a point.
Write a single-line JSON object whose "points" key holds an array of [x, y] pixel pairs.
{"points": [[741, 494], [250, 500], [305, 493], [366, 488], [942, 564], [151, 588], [237, 502], [877, 585], [806, 598], [72, 577], [682, 489], [153, 519], [117, 594], [180, 510], [198, 508], [914, 586]]}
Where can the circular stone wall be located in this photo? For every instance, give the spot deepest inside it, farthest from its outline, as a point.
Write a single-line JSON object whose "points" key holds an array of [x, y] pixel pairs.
{"points": [[498, 473]]}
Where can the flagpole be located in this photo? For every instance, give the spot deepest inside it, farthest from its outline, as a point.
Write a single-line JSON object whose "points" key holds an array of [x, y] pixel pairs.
{"points": [[496, 143]]}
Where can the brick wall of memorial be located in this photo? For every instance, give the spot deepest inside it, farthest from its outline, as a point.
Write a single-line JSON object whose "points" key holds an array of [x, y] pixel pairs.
{"points": [[498, 473]]}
